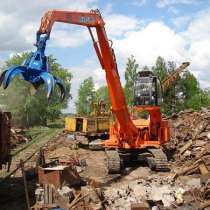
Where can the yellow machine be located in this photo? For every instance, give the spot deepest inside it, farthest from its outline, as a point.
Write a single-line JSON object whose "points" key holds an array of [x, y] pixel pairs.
{"points": [[95, 126], [87, 125]]}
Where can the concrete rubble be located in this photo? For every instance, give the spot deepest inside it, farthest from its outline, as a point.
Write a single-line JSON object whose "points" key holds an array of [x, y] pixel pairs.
{"points": [[162, 191]]}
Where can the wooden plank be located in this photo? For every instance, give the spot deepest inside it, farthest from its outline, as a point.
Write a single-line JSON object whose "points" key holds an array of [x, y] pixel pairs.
{"points": [[25, 184], [203, 169], [204, 205], [46, 200], [186, 146], [50, 195]]}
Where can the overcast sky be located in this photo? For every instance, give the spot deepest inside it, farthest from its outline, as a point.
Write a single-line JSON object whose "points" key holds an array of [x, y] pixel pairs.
{"points": [[178, 30]]}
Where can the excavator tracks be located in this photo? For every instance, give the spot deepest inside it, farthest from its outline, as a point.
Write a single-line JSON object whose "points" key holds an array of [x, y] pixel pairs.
{"points": [[113, 161], [159, 161], [155, 158]]}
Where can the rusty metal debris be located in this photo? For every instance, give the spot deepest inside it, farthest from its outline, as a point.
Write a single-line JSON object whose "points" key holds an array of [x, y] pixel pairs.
{"points": [[59, 174], [5, 144], [57, 183], [62, 195]]}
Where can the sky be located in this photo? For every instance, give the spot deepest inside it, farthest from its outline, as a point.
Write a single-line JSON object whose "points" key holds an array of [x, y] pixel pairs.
{"points": [[177, 30]]}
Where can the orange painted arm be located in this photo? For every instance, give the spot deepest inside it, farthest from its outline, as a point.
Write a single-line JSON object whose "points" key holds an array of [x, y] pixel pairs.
{"points": [[90, 19], [106, 57]]}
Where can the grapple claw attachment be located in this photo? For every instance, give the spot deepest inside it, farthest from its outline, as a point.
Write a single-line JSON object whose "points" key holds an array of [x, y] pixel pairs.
{"points": [[2, 77], [49, 82], [10, 74], [35, 70], [60, 84]]}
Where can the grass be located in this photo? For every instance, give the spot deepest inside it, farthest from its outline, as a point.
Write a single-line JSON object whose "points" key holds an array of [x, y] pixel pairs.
{"points": [[39, 134]]}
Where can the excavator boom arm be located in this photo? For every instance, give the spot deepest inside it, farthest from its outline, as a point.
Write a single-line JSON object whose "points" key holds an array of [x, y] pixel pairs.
{"points": [[171, 78], [106, 57], [89, 19]]}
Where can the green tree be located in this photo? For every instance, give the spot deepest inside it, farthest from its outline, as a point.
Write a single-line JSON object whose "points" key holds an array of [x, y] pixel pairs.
{"points": [[33, 109], [160, 68], [162, 71], [130, 77], [190, 85], [194, 97], [54, 110], [102, 94], [86, 96]]}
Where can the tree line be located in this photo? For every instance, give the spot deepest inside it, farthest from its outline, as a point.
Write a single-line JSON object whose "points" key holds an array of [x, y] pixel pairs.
{"points": [[184, 93], [29, 108]]}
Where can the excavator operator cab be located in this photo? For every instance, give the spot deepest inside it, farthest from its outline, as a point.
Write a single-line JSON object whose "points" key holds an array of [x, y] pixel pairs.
{"points": [[147, 89]]}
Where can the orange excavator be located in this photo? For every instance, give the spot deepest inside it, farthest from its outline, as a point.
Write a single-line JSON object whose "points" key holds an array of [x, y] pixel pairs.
{"points": [[131, 138]]}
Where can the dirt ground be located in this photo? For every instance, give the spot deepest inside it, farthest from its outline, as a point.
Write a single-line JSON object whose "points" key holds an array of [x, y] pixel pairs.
{"points": [[181, 188]]}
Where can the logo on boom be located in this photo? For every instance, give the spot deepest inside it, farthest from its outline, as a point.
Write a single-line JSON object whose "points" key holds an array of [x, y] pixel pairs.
{"points": [[87, 19]]}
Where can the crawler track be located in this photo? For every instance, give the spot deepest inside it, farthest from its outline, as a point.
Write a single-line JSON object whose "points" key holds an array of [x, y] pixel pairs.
{"points": [[113, 161], [159, 160]]}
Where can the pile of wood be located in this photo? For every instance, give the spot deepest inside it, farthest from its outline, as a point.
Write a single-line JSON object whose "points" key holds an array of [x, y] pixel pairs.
{"points": [[191, 141]]}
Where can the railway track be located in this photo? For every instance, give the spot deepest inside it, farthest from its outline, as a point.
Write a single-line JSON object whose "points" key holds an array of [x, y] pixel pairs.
{"points": [[27, 151]]}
